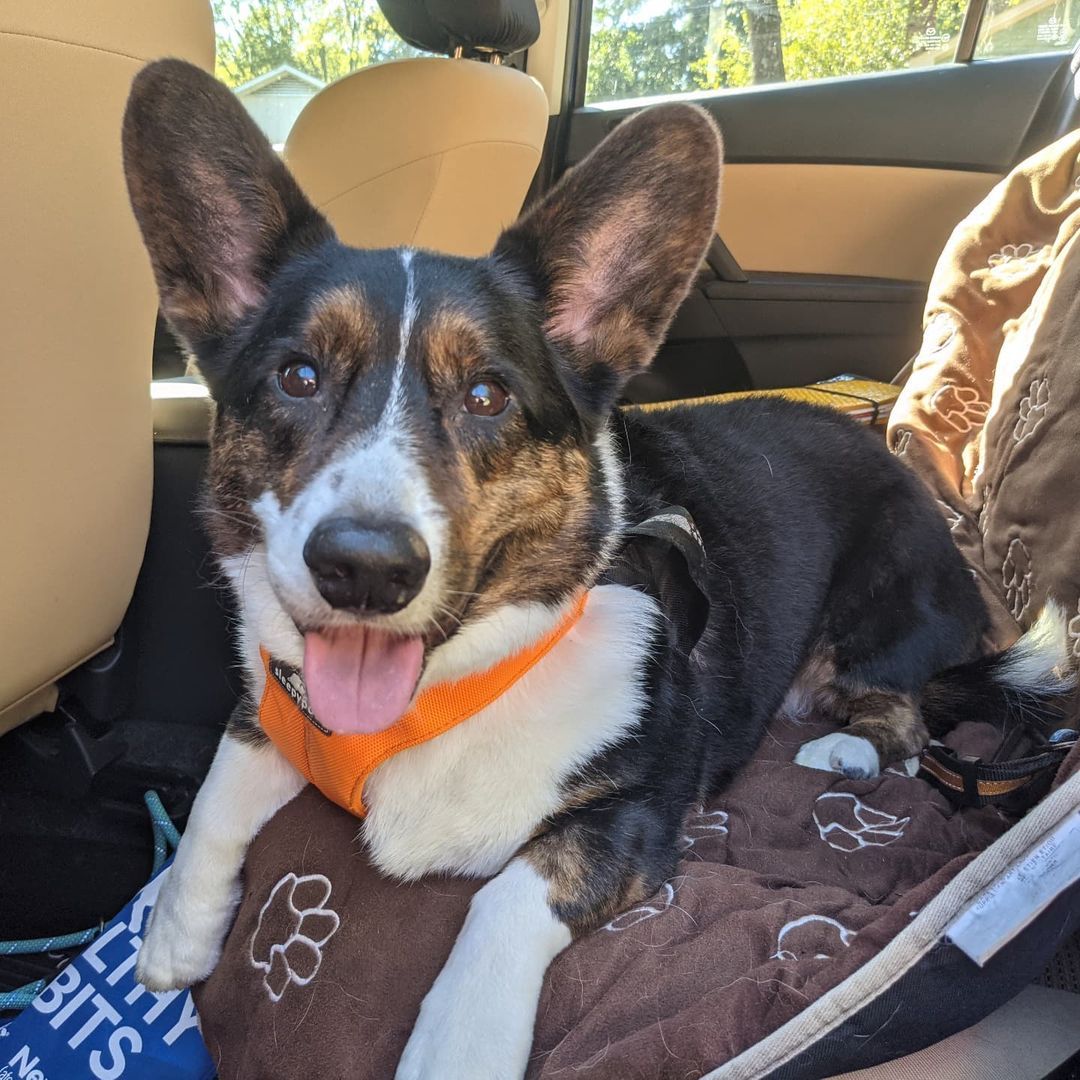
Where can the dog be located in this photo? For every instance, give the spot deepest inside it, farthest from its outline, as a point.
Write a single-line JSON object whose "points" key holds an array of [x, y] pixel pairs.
{"points": [[418, 470]]}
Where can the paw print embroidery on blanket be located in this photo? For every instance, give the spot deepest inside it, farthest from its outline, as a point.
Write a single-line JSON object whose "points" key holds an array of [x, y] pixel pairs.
{"points": [[294, 924], [901, 441], [643, 912], [960, 407], [1032, 409], [1014, 261], [703, 824], [846, 823], [811, 937], [1016, 577]]}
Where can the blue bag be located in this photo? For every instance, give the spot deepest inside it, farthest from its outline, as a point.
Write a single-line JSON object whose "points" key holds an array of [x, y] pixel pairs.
{"points": [[95, 1022]]}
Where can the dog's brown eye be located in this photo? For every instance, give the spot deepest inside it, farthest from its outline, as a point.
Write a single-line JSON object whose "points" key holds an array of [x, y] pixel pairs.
{"points": [[298, 379], [486, 398]]}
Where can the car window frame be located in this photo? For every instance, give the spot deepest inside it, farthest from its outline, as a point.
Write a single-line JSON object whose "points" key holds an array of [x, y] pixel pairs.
{"points": [[580, 34]]}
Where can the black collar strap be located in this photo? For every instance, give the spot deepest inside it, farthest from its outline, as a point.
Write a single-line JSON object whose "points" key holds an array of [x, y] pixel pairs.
{"points": [[970, 781]]}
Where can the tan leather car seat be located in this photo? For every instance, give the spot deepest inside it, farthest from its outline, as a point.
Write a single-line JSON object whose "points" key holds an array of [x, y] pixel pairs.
{"points": [[433, 152], [77, 312]]}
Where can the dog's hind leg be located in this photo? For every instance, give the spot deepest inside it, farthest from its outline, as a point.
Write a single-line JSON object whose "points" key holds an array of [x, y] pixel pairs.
{"points": [[248, 782], [901, 608], [883, 726]]}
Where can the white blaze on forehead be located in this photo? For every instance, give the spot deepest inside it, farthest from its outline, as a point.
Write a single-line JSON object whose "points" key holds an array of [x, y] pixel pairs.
{"points": [[395, 403]]}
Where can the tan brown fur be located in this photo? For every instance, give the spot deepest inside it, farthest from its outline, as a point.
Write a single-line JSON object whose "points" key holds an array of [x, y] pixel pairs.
{"points": [[236, 459], [568, 863], [582, 792], [890, 722], [813, 690], [341, 330], [529, 503], [453, 344]]}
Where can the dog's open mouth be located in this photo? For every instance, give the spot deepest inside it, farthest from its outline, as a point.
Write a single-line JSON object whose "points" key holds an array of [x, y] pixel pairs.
{"points": [[360, 680]]}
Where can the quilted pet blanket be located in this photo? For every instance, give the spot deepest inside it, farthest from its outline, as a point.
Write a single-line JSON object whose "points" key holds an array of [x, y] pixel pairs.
{"points": [[790, 881]]}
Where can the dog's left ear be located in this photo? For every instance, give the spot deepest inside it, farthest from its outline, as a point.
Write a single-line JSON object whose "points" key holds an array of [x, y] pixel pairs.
{"points": [[616, 245]]}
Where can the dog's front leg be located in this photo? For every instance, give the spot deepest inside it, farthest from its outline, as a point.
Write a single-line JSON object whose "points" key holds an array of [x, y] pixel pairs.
{"points": [[476, 1022], [248, 782]]}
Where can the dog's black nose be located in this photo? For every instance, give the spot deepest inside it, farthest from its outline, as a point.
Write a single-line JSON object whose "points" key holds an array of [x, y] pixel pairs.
{"points": [[374, 568]]}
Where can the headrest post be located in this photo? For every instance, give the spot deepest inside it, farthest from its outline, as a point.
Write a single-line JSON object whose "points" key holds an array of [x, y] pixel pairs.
{"points": [[458, 52]]}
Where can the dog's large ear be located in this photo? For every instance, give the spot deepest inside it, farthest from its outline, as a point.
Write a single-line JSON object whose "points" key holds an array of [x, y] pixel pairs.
{"points": [[616, 245], [218, 210]]}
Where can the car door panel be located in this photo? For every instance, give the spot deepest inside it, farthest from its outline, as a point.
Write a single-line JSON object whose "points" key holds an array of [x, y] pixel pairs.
{"points": [[838, 197]]}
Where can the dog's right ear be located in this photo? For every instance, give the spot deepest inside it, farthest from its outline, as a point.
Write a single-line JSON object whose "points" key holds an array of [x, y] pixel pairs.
{"points": [[218, 210]]}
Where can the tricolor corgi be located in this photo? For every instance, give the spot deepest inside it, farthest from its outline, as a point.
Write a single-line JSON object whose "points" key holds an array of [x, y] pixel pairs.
{"points": [[517, 630]]}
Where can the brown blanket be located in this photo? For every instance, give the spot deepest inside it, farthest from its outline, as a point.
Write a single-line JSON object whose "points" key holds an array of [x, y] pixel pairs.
{"points": [[792, 879]]}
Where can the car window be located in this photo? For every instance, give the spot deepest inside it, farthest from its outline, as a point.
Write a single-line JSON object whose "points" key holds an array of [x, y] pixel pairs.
{"points": [[647, 48], [1018, 27], [277, 54]]}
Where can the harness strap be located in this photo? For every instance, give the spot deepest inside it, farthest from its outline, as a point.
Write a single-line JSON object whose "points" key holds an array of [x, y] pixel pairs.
{"points": [[338, 765]]}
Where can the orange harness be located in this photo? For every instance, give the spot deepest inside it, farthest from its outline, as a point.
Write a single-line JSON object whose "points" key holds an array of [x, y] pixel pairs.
{"points": [[339, 765]]}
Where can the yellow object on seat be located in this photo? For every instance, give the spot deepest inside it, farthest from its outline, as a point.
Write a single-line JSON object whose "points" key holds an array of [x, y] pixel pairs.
{"points": [[865, 400]]}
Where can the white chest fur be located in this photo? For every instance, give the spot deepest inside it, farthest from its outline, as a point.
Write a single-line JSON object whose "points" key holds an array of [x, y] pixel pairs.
{"points": [[466, 801]]}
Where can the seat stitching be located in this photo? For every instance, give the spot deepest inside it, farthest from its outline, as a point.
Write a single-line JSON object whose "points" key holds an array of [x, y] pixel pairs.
{"points": [[415, 160], [73, 44], [430, 196]]}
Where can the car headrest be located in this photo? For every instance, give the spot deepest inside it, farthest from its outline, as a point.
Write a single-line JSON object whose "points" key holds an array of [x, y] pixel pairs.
{"points": [[442, 26]]}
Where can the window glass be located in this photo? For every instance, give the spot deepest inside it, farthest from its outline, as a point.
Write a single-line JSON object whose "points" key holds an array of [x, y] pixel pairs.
{"points": [[1017, 27], [645, 48], [277, 54]]}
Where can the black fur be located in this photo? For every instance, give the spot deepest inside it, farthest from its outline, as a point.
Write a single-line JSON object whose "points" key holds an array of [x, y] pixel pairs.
{"points": [[816, 536]]}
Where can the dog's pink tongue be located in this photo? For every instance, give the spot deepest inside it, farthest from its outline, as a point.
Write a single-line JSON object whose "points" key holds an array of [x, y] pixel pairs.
{"points": [[360, 680]]}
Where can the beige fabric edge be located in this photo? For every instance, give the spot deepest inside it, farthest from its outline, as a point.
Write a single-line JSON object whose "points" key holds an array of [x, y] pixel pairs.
{"points": [[41, 700], [182, 411], [905, 950]]}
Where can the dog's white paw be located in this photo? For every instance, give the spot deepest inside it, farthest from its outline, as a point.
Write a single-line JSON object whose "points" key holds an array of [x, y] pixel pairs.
{"points": [[839, 752], [185, 935], [458, 1037]]}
